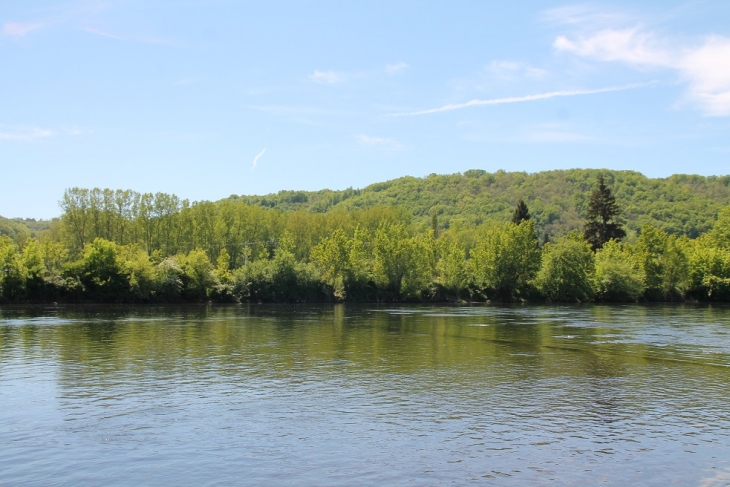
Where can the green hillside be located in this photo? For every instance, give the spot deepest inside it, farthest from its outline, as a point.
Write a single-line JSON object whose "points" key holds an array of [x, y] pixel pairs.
{"points": [[679, 204], [20, 229], [557, 200]]}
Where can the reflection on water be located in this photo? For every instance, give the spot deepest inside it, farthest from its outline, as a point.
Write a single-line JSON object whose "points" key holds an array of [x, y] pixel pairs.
{"points": [[336, 395]]}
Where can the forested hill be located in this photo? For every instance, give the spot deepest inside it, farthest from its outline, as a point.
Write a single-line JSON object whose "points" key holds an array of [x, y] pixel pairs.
{"points": [[679, 204], [557, 200], [20, 229]]}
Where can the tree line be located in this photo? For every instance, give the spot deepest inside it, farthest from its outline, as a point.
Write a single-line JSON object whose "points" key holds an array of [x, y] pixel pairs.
{"points": [[123, 246]]}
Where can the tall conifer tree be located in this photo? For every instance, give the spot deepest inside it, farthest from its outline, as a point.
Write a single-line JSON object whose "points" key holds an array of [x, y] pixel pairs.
{"points": [[521, 213], [602, 211]]}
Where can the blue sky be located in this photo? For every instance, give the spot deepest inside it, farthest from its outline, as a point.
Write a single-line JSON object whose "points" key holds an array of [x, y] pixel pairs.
{"points": [[210, 98]]}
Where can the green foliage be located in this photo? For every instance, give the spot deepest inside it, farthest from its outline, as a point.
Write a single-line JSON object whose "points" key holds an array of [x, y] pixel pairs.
{"points": [[709, 271], [452, 272], [169, 280], [506, 260], [402, 264], [664, 262], [675, 268], [331, 256], [282, 279], [36, 273], [198, 275], [650, 251], [12, 271], [719, 236], [567, 270], [100, 272], [434, 238], [619, 276], [558, 200], [141, 274]]}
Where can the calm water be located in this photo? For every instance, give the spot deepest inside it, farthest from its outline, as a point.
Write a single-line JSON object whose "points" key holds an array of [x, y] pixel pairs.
{"points": [[345, 395]]}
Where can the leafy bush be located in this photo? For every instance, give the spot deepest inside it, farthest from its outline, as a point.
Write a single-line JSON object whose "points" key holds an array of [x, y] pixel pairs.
{"points": [[618, 277], [567, 270]]}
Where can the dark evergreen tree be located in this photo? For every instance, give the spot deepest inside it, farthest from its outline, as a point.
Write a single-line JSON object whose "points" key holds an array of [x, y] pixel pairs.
{"points": [[602, 211], [521, 213]]}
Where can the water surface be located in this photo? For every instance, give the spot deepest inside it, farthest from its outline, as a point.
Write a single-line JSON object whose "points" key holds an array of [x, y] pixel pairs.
{"points": [[335, 395]]}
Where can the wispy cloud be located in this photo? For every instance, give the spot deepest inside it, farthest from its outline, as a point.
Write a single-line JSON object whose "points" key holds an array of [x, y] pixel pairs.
{"points": [[256, 159], [16, 30], [286, 110], [514, 69], [144, 39], [26, 134], [557, 136], [327, 77], [382, 143], [704, 66], [396, 67], [584, 16], [103, 33], [77, 17], [522, 99], [75, 131], [185, 81], [331, 77]]}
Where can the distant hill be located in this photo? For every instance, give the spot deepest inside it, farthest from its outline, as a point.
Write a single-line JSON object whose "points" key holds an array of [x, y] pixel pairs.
{"points": [[679, 204], [557, 200], [20, 229]]}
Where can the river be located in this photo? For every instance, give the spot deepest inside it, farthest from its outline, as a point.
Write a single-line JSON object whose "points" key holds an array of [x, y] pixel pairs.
{"points": [[365, 395]]}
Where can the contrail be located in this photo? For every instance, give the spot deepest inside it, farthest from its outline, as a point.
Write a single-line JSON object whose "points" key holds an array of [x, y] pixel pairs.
{"points": [[520, 99], [256, 159]]}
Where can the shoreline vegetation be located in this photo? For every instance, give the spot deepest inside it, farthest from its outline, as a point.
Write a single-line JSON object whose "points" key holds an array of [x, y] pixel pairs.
{"points": [[557, 236]]}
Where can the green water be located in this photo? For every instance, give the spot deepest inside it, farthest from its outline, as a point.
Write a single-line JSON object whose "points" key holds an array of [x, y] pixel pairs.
{"points": [[347, 395]]}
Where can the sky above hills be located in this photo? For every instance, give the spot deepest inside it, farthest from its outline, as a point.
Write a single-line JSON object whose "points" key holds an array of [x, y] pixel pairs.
{"points": [[210, 98]]}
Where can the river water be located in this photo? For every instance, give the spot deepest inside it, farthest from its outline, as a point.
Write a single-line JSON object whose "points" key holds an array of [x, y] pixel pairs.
{"points": [[365, 395]]}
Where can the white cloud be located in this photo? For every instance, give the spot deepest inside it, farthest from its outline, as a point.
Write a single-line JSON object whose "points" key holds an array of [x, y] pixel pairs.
{"points": [[326, 77], [256, 159], [521, 99], [630, 45], [26, 134], [704, 67], [17, 29], [396, 67], [707, 70]]}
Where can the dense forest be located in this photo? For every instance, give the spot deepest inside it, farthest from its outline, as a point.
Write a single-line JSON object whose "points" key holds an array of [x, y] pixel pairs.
{"points": [[475, 236], [680, 204]]}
